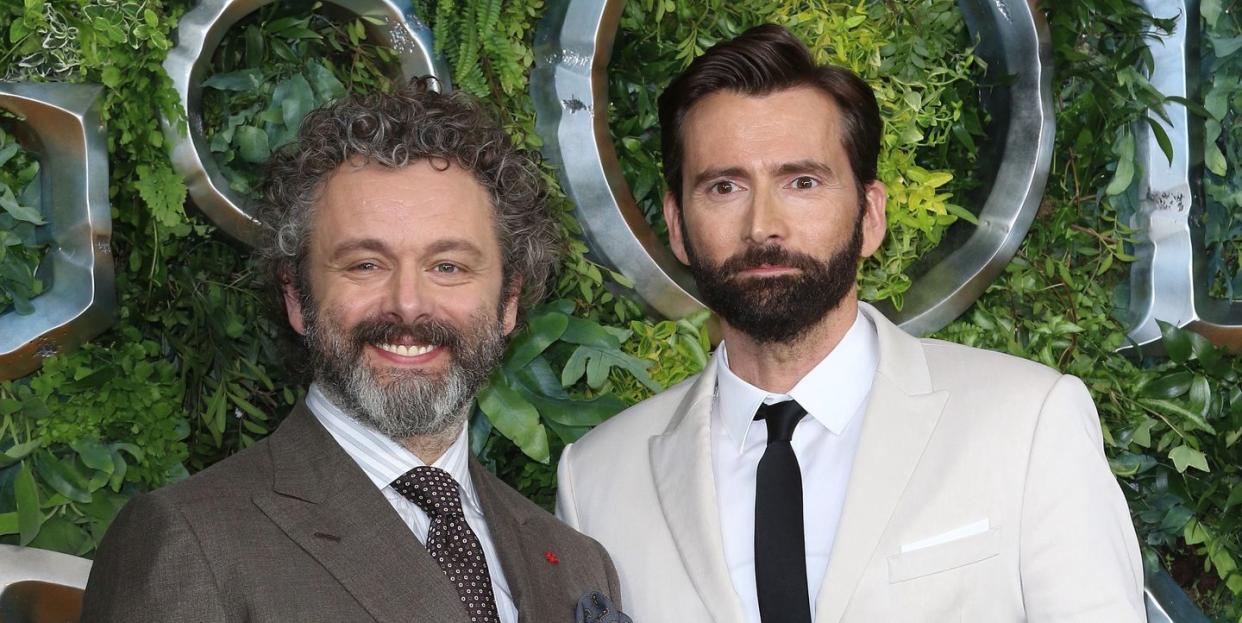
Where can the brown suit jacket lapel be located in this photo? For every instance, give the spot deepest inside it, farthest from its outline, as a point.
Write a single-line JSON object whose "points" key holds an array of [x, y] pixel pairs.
{"points": [[323, 501], [545, 588]]}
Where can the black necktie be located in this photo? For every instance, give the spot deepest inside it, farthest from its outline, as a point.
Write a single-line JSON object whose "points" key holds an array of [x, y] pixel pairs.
{"points": [[450, 541], [780, 544]]}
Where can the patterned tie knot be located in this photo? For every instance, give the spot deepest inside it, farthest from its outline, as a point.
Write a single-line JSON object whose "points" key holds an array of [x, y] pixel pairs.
{"points": [[432, 489], [781, 418]]}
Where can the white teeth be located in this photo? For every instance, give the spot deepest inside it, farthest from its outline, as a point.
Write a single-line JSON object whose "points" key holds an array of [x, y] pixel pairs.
{"points": [[405, 351]]}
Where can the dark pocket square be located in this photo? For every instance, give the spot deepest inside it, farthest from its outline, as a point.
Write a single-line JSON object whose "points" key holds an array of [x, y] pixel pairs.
{"points": [[595, 607]]}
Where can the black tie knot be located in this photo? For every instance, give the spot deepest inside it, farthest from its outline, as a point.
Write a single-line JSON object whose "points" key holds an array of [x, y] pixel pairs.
{"points": [[781, 418], [432, 489]]}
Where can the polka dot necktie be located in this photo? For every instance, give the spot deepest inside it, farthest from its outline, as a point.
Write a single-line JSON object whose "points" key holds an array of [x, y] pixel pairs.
{"points": [[450, 541]]}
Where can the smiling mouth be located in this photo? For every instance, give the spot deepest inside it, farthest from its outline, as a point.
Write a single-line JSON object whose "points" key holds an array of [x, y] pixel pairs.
{"points": [[405, 351]]}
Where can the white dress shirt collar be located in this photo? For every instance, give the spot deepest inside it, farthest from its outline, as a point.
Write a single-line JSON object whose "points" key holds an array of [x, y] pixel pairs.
{"points": [[831, 392], [382, 458]]}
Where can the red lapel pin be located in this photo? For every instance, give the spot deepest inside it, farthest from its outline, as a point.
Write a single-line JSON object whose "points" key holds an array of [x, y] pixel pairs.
{"points": [[551, 557]]}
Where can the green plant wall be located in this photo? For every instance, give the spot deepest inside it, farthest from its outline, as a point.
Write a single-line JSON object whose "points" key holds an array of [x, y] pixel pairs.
{"points": [[192, 371]]}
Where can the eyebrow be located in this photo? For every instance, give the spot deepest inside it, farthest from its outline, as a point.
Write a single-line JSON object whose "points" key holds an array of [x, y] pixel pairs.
{"points": [[711, 174], [806, 166], [454, 244], [788, 168], [378, 246]]}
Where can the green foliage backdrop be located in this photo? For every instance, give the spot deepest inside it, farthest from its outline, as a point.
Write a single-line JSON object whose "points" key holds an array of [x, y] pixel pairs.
{"points": [[192, 370]]}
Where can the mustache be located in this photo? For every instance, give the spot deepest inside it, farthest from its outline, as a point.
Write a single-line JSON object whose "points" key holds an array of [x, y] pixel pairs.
{"points": [[770, 255], [428, 331]]}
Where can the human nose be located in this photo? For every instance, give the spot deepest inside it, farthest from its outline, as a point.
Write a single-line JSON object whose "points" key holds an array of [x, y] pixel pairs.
{"points": [[407, 299], [767, 219]]}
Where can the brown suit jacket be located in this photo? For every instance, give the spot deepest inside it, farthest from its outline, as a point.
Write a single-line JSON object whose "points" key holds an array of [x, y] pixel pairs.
{"points": [[291, 529]]}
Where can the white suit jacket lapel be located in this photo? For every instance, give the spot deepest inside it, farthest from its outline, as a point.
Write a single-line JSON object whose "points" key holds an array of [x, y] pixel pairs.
{"points": [[681, 464], [902, 413]]}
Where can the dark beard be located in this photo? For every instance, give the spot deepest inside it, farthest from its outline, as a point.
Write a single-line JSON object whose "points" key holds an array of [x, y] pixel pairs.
{"points": [[778, 309], [402, 403]]}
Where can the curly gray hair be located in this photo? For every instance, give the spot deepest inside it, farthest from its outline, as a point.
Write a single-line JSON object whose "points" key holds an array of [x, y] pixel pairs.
{"points": [[414, 123]]}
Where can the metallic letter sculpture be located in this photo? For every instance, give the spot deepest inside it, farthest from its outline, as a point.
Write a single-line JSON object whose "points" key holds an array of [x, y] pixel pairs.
{"points": [[1168, 280], [81, 302], [572, 50], [198, 34]]}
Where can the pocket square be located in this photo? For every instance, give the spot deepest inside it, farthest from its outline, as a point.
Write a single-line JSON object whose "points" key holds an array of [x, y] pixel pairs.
{"points": [[961, 532], [596, 607]]}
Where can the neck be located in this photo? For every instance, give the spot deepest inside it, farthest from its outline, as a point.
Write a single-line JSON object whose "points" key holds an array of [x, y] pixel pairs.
{"points": [[429, 448], [776, 368]]}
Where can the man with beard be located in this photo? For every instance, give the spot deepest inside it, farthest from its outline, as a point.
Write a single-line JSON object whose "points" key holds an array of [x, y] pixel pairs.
{"points": [[826, 466], [407, 233]]}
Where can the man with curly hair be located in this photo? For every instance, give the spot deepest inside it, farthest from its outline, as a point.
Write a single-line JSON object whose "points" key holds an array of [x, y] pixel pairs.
{"points": [[406, 237]]}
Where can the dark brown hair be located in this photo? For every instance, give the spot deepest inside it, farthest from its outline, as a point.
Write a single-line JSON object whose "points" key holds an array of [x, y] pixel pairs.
{"points": [[760, 61]]}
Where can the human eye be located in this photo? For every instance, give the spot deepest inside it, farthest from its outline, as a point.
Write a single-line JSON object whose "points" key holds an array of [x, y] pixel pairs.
{"points": [[722, 187], [446, 268], [804, 182], [363, 267]]}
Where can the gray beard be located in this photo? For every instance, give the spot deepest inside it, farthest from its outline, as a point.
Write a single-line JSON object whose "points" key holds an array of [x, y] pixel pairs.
{"points": [[407, 404], [426, 408]]}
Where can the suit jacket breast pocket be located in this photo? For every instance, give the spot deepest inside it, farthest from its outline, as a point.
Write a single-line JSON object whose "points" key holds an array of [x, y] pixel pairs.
{"points": [[943, 557]]}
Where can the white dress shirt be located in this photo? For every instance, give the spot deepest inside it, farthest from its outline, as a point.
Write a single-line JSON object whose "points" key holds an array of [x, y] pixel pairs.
{"points": [[835, 394], [384, 460]]}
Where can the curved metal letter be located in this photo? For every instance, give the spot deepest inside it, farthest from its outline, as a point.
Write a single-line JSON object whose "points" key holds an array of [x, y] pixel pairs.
{"points": [[1168, 280], [572, 50], [81, 302], [198, 34]]}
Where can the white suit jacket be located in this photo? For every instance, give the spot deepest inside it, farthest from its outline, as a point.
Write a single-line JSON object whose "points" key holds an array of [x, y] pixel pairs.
{"points": [[980, 492]]}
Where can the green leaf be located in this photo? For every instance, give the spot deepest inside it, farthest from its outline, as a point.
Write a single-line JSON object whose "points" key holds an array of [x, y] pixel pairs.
{"points": [[252, 144], [588, 333], [1176, 342], [1126, 465], [515, 418], [575, 367], [1171, 385], [63, 478], [164, 192], [1142, 432], [1174, 408], [962, 213], [94, 455], [327, 88], [243, 80], [1185, 457], [20, 212], [1125, 166], [1225, 46], [1215, 160], [296, 99], [1162, 138], [29, 517], [61, 535], [18, 452], [1210, 10], [1200, 396], [541, 332], [7, 152], [9, 523]]}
